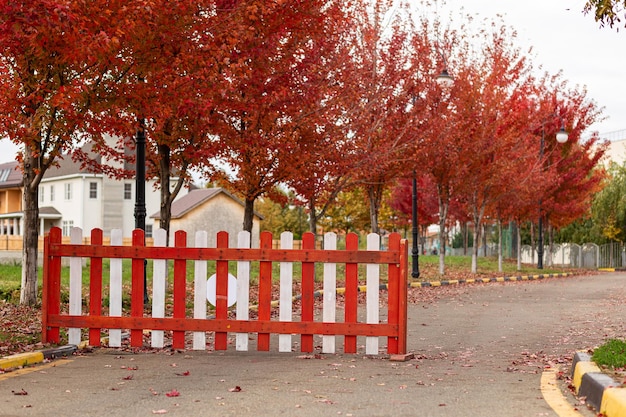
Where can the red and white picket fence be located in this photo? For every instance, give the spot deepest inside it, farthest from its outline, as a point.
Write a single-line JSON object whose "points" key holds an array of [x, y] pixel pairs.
{"points": [[93, 317]]}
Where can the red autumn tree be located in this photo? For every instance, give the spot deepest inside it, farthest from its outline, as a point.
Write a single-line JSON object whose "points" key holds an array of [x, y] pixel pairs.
{"points": [[166, 77], [273, 67], [490, 109], [49, 71]]}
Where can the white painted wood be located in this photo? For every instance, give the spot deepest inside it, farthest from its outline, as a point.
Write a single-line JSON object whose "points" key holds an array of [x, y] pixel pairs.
{"points": [[285, 306], [76, 278], [115, 290], [159, 285], [330, 293], [199, 288], [243, 291], [373, 294]]}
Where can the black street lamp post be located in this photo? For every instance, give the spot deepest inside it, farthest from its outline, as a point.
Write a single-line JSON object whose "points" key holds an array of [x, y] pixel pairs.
{"points": [[561, 137], [140, 190], [444, 80], [415, 273]]}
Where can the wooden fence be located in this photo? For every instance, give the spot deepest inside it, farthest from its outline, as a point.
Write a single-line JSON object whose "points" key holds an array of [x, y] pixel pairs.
{"points": [[285, 324]]}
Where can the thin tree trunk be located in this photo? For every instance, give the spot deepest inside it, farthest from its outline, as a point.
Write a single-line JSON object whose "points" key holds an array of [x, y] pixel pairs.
{"points": [[443, 235], [519, 248], [312, 217], [499, 246], [28, 293], [374, 194], [167, 196], [248, 215]]}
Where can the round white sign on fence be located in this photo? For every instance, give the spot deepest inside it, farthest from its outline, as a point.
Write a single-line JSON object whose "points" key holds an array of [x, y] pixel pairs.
{"points": [[211, 289]]}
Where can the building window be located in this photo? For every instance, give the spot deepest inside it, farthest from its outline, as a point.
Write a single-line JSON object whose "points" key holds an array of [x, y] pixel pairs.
{"points": [[4, 174], [67, 227], [68, 191], [128, 191], [148, 232], [41, 195], [93, 190], [51, 193]]}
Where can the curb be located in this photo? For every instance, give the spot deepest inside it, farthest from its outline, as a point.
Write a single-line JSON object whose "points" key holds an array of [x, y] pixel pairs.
{"points": [[21, 360], [488, 280], [602, 392]]}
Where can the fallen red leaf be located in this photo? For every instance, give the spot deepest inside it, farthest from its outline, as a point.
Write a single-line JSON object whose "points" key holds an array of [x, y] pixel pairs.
{"points": [[236, 389], [128, 378], [22, 392], [172, 393], [186, 373]]}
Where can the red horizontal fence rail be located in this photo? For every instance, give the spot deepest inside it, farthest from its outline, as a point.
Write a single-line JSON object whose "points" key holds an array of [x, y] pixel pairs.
{"points": [[137, 320]]}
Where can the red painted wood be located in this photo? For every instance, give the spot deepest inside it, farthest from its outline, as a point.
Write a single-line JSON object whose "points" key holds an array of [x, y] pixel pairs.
{"points": [[265, 291], [238, 326], [230, 254], [403, 296], [221, 293], [51, 303], [136, 296], [396, 258], [95, 288], [308, 290], [351, 294], [180, 289]]}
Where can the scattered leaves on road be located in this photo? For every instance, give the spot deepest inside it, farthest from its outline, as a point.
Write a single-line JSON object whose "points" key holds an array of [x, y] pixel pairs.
{"points": [[173, 393]]}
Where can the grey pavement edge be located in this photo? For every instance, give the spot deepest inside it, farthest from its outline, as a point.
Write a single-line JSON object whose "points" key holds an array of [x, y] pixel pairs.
{"points": [[602, 392]]}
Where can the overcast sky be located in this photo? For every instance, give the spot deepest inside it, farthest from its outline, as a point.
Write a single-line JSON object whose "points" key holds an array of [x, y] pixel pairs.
{"points": [[563, 38]]}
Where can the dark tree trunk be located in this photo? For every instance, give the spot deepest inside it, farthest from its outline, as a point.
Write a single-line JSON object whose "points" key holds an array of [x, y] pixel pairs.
{"points": [[28, 294]]}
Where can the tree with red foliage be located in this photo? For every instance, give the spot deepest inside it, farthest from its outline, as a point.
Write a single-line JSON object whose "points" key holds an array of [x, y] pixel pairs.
{"points": [[491, 107], [50, 70], [274, 66], [166, 77]]}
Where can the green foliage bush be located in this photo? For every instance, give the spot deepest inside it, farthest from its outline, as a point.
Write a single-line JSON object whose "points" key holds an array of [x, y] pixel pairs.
{"points": [[611, 354]]}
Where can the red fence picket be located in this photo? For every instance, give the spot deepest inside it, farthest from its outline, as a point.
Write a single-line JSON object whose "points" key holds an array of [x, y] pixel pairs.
{"points": [[396, 259]]}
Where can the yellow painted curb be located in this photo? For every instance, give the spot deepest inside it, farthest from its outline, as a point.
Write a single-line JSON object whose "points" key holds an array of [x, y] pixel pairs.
{"points": [[614, 402], [553, 396], [21, 359], [582, 368]]}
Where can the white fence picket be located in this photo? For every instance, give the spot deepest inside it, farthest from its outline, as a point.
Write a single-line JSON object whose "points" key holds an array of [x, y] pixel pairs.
{"points": [[200, 294], [115, 290], [330, 293], [243, 291], [372, 296], [286, 292], [159, 284], [76, 277]]}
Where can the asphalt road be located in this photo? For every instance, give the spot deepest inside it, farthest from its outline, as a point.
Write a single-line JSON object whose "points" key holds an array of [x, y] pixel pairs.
{"points": [[481, 350]]}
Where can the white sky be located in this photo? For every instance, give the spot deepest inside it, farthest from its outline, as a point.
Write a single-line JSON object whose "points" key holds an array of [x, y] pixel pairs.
{"points": [[563, 38]]}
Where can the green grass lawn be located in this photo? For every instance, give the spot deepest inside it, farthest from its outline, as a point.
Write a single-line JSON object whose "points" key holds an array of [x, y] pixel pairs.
{"points": [[456, 267]]}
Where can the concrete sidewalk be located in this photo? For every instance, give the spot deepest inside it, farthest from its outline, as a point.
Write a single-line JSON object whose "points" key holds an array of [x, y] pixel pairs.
{"points": [[470, 342]]}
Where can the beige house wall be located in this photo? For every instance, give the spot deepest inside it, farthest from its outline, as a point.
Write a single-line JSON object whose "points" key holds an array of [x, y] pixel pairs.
{"points": [[219, 213]]}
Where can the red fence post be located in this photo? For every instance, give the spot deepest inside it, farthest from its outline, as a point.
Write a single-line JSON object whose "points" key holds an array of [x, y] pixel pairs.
{"points": [[95, 288], [265, 291], [180, 289], [351, 294], [221, 292], [51, 304], [308, 292], [137, 290], [403, 296]]}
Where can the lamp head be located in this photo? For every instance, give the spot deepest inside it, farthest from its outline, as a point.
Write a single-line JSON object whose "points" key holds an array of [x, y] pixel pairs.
{"points": [[562, 135], [444, 79]]}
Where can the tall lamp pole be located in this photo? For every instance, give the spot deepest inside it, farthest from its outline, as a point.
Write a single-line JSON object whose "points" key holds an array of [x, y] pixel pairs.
{"points": [[140, 190], [415, 273], [561, 137], [445, 80]]}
